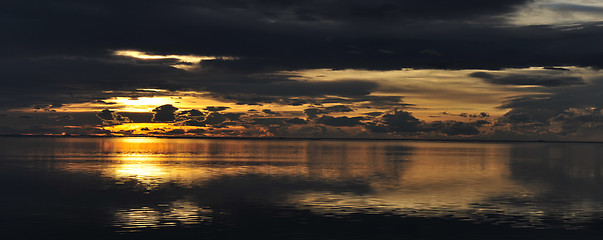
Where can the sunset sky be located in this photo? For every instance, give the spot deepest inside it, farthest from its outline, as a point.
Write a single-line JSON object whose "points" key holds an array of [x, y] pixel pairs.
{"points": [[435, 69]]}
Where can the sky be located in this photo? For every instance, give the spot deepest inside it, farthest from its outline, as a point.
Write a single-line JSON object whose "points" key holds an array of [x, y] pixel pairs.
{"points": [[425, 69]]}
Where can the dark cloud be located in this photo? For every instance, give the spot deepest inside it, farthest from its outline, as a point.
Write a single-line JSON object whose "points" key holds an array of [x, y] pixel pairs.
{"points": [[270, 112], [454, 128], [164, 113], [471, 115], [138, 117], [215, 118], [564, 110], [313, 112], [109, 117], [374, 114], [340, 121], [61, 52], [63, 49], [296, 121], [519, 79], [268, 121], [257, 91], [379, 10], [52, 82], [191, 113], [396, 121], [215, 109], [337, 109], [576, 120], [273, 35]]}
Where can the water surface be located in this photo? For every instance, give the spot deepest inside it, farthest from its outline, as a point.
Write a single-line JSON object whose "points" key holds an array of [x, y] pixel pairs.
{"points": [[158, 188]]}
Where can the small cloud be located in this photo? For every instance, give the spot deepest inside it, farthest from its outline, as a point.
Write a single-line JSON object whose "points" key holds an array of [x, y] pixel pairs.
{"points": [[374, 114], [215, 109], [296, 121], [337, 108], [270, 112]]}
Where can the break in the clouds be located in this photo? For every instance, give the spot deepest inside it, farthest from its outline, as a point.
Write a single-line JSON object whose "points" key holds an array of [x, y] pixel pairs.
{"points": [[329, 68]]}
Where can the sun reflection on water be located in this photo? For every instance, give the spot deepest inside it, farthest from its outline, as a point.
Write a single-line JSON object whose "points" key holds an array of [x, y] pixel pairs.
{"points": [[479, 182], [177, 213]]}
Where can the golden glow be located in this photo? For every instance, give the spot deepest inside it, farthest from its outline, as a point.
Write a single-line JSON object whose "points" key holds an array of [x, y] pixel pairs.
{"points": [[179, 99], [434, 91], [434, 95], [141, 104], [146, 128], [432, 179], [188, 59], [142, 55]]}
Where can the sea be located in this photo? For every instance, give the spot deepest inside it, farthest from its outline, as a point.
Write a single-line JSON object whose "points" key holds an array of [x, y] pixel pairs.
{"points": [[169, 188]]}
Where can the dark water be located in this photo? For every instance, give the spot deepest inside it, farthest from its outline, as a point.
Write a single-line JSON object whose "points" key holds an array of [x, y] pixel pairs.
{"points": [[148, 188]]}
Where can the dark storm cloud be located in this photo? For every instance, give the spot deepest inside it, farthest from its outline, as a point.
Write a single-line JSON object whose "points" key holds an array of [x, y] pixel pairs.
{"points": [[268, 35], [164, 113], [378, 9], [52, 82], [109, 24], [519, 79], [58, 52]]}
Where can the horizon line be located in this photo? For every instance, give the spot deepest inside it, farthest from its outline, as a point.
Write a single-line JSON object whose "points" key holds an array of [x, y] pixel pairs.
{"points": [[311, 138]]}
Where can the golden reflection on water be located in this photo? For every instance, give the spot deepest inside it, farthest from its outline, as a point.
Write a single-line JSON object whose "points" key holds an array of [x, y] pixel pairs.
{"points": [[177, 213], [462, 180], [432, 179]]}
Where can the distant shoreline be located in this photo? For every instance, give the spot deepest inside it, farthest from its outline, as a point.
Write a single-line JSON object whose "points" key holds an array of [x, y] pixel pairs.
{"points": [[309, 139]]}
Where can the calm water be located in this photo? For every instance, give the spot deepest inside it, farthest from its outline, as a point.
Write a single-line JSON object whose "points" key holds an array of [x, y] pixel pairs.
{"points": [[179, 188]]}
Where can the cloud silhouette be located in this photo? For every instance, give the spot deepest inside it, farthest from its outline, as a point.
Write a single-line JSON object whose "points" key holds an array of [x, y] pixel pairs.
{"points": [[164, 113], [396, 121], [109, 117]]}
